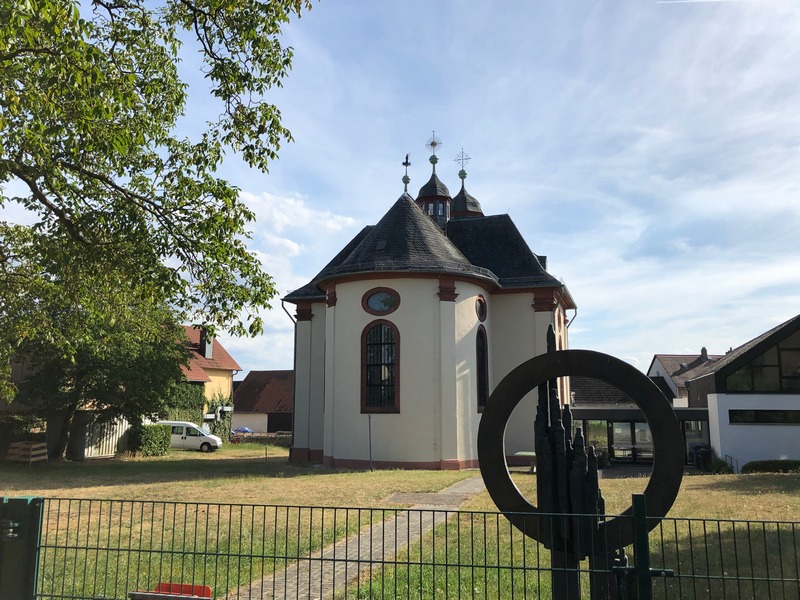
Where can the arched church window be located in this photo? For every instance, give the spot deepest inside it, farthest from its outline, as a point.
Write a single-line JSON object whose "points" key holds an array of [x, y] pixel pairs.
{"points": [[380, 354], [482, 366]]}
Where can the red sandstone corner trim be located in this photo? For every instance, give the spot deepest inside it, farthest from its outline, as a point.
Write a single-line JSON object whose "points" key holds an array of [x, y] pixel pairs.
{"points": [[303, 312], [544, 300], [330, 296], [447, 289], [305, 455]]}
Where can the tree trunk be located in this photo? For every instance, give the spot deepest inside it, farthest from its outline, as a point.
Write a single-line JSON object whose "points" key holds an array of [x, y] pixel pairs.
{"points": [[62, 421]]}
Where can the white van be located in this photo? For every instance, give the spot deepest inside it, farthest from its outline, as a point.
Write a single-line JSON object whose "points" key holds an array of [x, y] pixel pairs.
{"points": [[189, 436]]}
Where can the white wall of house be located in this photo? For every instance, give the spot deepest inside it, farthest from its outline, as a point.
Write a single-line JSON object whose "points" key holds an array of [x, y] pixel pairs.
{"points": [[745, 442], [658, 370]]}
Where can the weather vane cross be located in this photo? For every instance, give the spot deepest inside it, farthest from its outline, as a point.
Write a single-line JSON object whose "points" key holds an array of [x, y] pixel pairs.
{"points": [[406, 179], [433, 143], [462, 158]]}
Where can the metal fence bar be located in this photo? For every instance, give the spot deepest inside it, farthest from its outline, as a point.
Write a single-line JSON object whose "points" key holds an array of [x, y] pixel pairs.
{"points": [[93, 548]]}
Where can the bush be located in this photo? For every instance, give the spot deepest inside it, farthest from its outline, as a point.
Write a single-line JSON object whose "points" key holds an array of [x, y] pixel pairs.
{"points": [[720, 467], [603, 459], [772, 466], [186, 403], [150, 440]]}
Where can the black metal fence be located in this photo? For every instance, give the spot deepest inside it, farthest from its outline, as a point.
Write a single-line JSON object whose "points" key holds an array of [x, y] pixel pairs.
{"points": [[89, 549]]}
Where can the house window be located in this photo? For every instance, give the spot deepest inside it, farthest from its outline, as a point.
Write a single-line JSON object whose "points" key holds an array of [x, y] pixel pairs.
{"points": [[380, 351], [776, 370], [482, 363], [764, 417]]}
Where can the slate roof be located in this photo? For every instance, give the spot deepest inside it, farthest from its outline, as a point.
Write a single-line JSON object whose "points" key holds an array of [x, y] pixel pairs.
{"points": [[496, 244], [405, 239], [408, 240], [433, 188], [464, 202], [198, 363], [265, 392]]}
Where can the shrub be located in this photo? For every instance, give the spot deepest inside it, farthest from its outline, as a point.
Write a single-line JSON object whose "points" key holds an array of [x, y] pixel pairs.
{"points": [[150, 440], [772, 466], [720, 467], [603, 459], [186, 403]]}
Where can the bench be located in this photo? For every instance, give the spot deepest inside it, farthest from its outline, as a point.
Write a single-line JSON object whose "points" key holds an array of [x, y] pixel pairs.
{"points": [[528, 454], [173, 591]]}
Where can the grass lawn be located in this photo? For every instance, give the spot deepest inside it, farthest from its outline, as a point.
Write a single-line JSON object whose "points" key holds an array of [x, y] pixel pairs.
{"points": [[255, 474], [242, 474]]}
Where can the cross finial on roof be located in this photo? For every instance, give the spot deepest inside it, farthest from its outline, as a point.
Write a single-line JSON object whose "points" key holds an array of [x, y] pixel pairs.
{"points": [[433, 143], [406, 179], [463, 158]]}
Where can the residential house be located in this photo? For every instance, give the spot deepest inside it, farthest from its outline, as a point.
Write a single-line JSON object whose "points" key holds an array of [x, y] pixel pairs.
{"points": [[263, 401]]}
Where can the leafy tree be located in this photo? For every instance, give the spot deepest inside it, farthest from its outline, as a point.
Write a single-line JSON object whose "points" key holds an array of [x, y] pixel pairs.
{"points": [[123, 361], [90, 98]]}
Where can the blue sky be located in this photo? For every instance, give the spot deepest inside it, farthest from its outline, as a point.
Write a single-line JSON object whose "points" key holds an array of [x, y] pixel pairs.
{"points": [[650, 150]]}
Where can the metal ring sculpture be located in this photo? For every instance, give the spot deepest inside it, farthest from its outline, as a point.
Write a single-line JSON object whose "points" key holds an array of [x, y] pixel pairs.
{"points": [[665, 479]]}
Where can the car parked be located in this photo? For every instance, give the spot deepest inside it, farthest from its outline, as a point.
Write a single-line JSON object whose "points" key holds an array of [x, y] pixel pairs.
{"points": [[188, 436]]}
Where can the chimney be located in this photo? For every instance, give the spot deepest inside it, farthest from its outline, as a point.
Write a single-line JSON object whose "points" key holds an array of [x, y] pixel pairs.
{"points": [[206, 345], [704, 354]]}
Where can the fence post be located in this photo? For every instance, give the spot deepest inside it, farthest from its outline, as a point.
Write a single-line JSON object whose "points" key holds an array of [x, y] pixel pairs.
{"points": [[20, 532], [641, 548]]}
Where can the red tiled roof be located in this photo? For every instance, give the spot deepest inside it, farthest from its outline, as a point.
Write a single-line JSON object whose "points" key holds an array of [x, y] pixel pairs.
{"points": [[265, 392], [199, 363]]}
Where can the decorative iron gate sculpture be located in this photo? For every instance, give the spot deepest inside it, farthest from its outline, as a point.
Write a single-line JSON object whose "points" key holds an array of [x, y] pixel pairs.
{"points": [[567, 474]]}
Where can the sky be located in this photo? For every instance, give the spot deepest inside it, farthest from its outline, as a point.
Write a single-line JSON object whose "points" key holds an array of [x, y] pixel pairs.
{"points": [[651, 150]]}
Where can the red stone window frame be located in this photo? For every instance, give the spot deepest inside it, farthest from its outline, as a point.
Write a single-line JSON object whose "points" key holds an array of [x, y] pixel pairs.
{"points": [[365, 298], [372, 359], [482, 367]]}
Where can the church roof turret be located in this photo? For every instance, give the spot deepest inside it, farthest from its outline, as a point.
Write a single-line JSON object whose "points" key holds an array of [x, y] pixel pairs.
{"points": [[464, 204]]}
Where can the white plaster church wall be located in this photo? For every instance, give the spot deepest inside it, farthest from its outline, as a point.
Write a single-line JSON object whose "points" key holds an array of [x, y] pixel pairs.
{"points": [[519, 334], [465, 364], [418, 322], [309, 382]]}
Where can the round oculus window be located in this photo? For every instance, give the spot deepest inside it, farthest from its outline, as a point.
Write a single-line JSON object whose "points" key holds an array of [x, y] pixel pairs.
{"points": [[381, 301], [480, 308]]}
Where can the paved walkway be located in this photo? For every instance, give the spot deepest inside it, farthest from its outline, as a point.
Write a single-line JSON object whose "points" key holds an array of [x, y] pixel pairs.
{"points": [[328, 571]]}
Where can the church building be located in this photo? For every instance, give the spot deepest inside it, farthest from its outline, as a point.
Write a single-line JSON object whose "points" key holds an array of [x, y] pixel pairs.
{"points": [[401, 338]]}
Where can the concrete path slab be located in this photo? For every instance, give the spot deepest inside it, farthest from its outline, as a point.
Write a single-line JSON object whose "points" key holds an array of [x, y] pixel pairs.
{"points": [[328, 571]]}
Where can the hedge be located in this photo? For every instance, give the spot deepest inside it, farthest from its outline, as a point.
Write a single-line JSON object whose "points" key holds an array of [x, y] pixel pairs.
{"points": [[151, 440], [772, 466]]}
